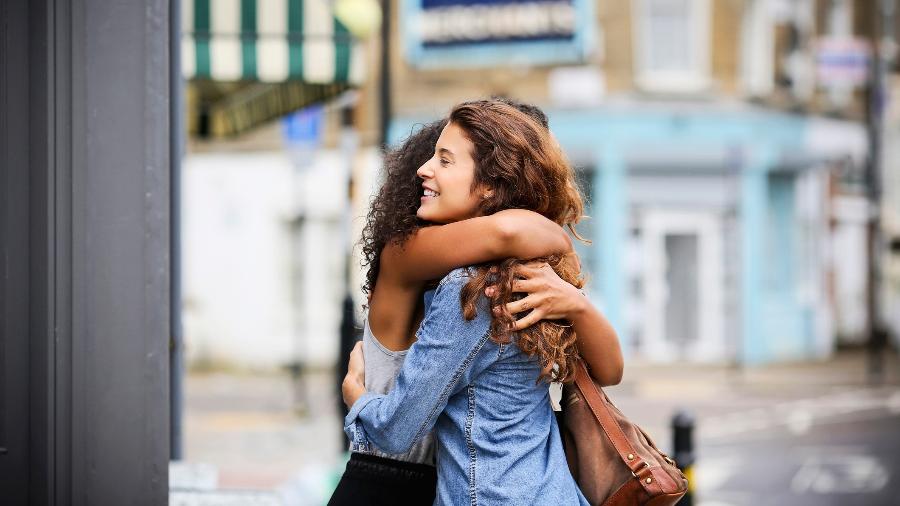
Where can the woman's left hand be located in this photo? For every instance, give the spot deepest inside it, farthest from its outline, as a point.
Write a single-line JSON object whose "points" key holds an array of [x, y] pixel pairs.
{"points": [[354, 384], [548, 296]]}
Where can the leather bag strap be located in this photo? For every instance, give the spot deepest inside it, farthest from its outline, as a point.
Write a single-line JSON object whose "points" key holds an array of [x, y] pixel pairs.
{"points": [[594, 398]]}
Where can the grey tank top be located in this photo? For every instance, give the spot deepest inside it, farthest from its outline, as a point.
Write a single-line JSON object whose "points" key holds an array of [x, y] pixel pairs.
{"points": [[382, 368]]}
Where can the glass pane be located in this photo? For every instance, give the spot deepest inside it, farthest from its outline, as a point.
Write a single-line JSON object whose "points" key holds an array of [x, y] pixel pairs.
{"points": [[681, 280], [668, 35]]}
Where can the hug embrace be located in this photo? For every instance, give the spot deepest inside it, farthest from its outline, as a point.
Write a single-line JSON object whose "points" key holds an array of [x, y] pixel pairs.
{"points": [[474, 308]]}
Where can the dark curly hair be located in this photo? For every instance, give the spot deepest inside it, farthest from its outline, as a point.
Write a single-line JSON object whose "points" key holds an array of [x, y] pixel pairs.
{"points": [[392, 213]]}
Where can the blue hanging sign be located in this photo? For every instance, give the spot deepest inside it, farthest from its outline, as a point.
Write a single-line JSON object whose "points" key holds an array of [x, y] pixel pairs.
{"points": [[474, 33], [304, 126]]}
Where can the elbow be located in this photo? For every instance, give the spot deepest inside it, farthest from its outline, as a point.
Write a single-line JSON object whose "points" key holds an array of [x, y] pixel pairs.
{"points": [[617, 371], [608, 379], [565, 244], [611, 375], [614, 377]]}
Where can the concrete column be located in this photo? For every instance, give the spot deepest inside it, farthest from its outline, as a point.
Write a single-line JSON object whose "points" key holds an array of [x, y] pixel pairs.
{"points": [[611, 215], [754, 195], [89, 134]]}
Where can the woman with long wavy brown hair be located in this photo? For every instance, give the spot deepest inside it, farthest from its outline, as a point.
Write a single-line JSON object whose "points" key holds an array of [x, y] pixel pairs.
{"points": [[490, 159]]}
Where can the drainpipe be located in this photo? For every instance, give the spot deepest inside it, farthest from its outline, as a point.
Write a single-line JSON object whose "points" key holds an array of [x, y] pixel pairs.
{"points": [[883, 45], [176, 150]]}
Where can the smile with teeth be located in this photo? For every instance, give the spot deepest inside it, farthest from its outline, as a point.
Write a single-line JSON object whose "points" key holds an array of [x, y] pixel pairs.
{"points": [[431, 193]]}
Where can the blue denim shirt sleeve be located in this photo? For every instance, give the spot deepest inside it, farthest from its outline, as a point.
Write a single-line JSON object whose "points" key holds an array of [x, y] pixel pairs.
{"points": [[441, 359]]}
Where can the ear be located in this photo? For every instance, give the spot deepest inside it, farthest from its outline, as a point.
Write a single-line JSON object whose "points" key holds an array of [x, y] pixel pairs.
{"points": [[487, 193]]}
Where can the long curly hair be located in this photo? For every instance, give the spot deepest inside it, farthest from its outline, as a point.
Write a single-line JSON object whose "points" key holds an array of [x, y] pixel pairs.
{"points": [[524, 166], [392, 212]]}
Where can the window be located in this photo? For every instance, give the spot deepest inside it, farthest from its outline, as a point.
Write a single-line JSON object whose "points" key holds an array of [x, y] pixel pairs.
{"points": [[757, 49], [672, 47]]}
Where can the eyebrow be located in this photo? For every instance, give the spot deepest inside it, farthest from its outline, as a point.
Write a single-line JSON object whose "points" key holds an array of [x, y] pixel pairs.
{"points": [[445, 151]]}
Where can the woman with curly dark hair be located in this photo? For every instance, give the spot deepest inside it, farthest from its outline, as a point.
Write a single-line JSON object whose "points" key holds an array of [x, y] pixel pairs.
{"points": [[496, 199]]}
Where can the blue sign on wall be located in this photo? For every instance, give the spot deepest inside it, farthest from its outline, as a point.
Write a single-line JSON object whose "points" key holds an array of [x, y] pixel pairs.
{"points": [[473, 33], [304, 126]]}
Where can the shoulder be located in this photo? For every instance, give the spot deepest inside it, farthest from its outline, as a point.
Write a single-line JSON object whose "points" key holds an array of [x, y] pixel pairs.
{"points": [[449, 292]]}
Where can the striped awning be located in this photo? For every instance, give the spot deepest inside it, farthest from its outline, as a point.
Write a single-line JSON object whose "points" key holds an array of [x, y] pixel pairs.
{"points": [[251, 61], [268, 41]]}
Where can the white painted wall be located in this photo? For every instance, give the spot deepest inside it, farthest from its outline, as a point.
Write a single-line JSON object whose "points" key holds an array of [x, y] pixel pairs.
{"points": [[258, 291]]}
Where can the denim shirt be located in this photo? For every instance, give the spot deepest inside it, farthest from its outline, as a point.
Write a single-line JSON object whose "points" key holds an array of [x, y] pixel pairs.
{"points": [[496, 439]]}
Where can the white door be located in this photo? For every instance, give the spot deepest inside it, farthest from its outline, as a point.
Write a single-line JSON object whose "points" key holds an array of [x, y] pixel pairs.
{"points": [[683, 276]]}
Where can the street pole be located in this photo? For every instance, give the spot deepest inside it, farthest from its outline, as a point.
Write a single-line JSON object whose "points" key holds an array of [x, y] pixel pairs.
{"points": [[385, 88], [349, 331], [883, 44]]}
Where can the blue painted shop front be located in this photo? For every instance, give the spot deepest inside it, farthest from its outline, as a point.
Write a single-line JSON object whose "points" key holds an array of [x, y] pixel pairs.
{"points": [[760, 150]]}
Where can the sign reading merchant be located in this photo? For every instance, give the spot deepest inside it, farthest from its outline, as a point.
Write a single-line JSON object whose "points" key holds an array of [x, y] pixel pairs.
{"points": [[460, 33]]}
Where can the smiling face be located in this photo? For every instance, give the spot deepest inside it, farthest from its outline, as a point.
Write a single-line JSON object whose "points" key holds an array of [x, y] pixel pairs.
{"points": [[447, 180]]}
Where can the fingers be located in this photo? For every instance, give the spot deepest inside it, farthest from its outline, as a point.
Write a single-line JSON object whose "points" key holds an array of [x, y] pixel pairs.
{"points": [[529, 320], [518, 306], [518, 285]]}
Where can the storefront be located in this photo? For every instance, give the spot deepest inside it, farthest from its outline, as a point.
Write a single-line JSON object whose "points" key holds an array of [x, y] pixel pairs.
{"points": [[709, 225]]}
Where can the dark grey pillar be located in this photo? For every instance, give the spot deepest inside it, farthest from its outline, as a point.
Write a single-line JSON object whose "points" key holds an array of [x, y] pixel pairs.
{"points": [[85, 225]]}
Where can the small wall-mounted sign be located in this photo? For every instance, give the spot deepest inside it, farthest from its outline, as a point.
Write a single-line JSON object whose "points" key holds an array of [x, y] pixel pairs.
{"points": [[461, 33]]}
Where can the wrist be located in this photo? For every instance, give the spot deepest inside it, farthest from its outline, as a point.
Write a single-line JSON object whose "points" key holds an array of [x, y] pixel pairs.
{"points": [[581, 307]]}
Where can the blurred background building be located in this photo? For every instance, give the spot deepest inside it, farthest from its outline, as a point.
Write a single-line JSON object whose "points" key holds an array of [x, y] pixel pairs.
{"points": [[739, 159], [726, 149], [722, 146]]}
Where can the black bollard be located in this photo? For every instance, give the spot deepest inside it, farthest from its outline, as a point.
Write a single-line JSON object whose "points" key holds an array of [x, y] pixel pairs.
{"points": [[683, 451]]}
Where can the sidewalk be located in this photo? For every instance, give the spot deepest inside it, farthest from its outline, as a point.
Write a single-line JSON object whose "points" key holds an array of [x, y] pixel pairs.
{"points": [[255, 435], [650, 394], [250, 430]]}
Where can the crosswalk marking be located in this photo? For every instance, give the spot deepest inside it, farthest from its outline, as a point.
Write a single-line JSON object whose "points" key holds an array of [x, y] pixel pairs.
{"points": [[829, 474], [799, 416]]}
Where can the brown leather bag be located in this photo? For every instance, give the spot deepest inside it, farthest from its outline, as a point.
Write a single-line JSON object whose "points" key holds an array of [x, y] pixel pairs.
{"points": [[613, 461]]}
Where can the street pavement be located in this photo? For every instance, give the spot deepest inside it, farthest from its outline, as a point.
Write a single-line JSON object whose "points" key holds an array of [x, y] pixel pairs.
{"points": [[818, 433]]}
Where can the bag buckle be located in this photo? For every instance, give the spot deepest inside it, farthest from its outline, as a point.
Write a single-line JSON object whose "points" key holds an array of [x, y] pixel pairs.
{"points": [[644, 474]]}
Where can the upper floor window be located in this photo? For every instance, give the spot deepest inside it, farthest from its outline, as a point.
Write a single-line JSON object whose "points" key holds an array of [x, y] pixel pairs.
{"points": [[672, 46]]}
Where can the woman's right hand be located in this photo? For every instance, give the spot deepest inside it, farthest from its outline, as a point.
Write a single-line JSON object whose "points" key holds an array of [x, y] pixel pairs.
{"points": [[551, 297], [548, 296]]}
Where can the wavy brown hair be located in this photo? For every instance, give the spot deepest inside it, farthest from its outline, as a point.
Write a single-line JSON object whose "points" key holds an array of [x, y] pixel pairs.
{"points": [[525, 169]]}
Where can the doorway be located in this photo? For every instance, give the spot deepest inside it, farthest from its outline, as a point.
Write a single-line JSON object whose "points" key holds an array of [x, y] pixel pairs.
{"points": [[683, 279]]}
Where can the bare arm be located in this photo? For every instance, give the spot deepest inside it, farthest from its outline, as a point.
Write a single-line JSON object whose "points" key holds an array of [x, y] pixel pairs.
{"points": [[432, 252], [553, 298]]}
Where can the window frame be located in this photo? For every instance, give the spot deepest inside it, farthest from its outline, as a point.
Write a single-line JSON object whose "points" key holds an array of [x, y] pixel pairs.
{"points": [[696, 78]]}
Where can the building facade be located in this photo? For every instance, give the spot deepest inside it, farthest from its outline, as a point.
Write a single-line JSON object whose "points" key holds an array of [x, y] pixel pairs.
{"points": [[710, 138]]}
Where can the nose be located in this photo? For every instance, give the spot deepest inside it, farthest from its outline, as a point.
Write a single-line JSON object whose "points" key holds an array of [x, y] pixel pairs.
{"points": [[425, 171]]}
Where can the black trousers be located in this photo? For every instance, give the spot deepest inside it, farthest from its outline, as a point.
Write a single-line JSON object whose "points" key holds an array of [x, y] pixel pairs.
{"points": [[375, 481]]}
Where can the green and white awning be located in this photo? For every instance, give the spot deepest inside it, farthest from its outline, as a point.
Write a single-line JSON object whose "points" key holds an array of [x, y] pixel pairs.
{"points": [[248, 62], [269, 41]]}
